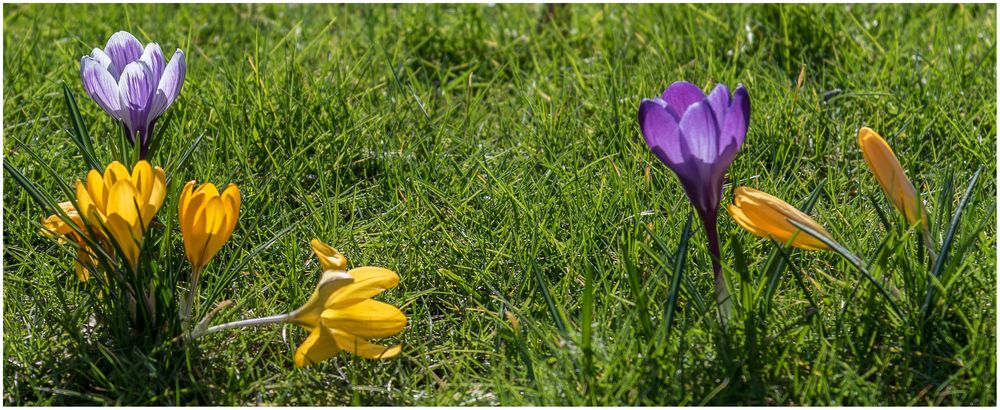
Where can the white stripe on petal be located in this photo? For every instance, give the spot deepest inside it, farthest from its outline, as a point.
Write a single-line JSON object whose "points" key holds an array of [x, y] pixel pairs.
{"points": [[101, 86]]}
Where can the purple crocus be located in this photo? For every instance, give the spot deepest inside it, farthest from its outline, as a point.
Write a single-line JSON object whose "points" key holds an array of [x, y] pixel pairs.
{"points": [[697, 137], [133, 84]]}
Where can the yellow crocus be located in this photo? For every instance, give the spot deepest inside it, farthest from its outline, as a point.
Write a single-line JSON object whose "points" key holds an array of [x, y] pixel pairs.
{"points": [[766, 216], [124, 203], [340, 314], [54, 226], [890, 175], [207, 220]]}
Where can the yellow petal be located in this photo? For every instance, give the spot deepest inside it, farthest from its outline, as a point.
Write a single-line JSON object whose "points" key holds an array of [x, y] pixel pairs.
{"points": [[362, 347], [231, 203], [193, 228], [329, 258], [123, 219], [215, 220], [209, 190], [115, 172], [319, 346], [183, 202], [368, 281], [308, 315], [889, 173], [142, 180], [367, 319], [54, 224], [767, 216], [96, 189]]}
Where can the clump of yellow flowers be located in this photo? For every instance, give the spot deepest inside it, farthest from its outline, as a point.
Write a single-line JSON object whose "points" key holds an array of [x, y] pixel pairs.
{"points": [[112, 223]]}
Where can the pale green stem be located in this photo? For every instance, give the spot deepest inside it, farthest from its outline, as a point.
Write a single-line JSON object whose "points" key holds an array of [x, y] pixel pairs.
{"points": [[192, 293], [257, 321]]}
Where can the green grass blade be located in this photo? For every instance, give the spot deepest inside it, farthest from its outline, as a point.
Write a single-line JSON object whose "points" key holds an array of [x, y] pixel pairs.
{"points": [[80, 135]]}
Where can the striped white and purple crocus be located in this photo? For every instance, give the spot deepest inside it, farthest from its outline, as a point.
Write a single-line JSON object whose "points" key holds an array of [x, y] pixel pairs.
{"points": [[697, 137], [133, 84]]}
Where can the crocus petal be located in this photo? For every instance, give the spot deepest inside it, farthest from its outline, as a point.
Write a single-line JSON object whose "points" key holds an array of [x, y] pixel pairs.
{"points": [[308, 315], [362, 347], [103, 60], [136, 87], [319, 346], [123, 219], [718, 99], [368, 281], [767, 216], [231, 202], [153, 57], [701, 132], [169, 86], [101, 86], [889, 174], [123, 48], [660, 130], [734, 126], [328, 257], [112, 174], [680, 96], [183, 202], [367, 319]]}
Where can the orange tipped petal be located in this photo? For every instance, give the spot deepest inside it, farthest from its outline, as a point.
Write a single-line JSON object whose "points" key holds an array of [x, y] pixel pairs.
{"points": [[767, 216], [889, 174]]}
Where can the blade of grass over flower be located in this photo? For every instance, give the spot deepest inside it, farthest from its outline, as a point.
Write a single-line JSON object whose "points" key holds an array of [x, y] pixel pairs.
{"points": [[853, 259], [79, 134], [949, 237], [675, 280]]}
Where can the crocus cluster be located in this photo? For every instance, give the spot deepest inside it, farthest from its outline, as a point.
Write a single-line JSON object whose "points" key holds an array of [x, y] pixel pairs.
{"points": [[112, 223], [698, 136]]}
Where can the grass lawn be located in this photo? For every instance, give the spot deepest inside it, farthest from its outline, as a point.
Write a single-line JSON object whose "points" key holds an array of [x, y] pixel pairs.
{"points": [[491, 156]]}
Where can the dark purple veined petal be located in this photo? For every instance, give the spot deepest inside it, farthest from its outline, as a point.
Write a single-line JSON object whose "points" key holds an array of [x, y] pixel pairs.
{"points": [[101, 87], [700, 132], [679, 97], [660, 130], [122, 48], [169, 86], [153, 57], [136, 87]]}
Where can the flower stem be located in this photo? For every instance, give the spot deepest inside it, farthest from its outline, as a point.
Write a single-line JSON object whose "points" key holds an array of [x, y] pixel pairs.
{"points": [[722, 299], [257, 321], [189, 301]]}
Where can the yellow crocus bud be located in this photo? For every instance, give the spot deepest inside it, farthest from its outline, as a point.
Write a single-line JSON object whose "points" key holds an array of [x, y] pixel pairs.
{"points": [[767, 217], [207, 220], [890, 175]]}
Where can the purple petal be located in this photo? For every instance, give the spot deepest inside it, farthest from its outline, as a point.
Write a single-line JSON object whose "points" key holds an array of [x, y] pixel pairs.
{"points": [[680, 95], [734, 126], [169, 86], [661, 131], [701, 132], [719, 101], [105, 61], [123, 49], [153, 57], [100, 85], [136, 87]]}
